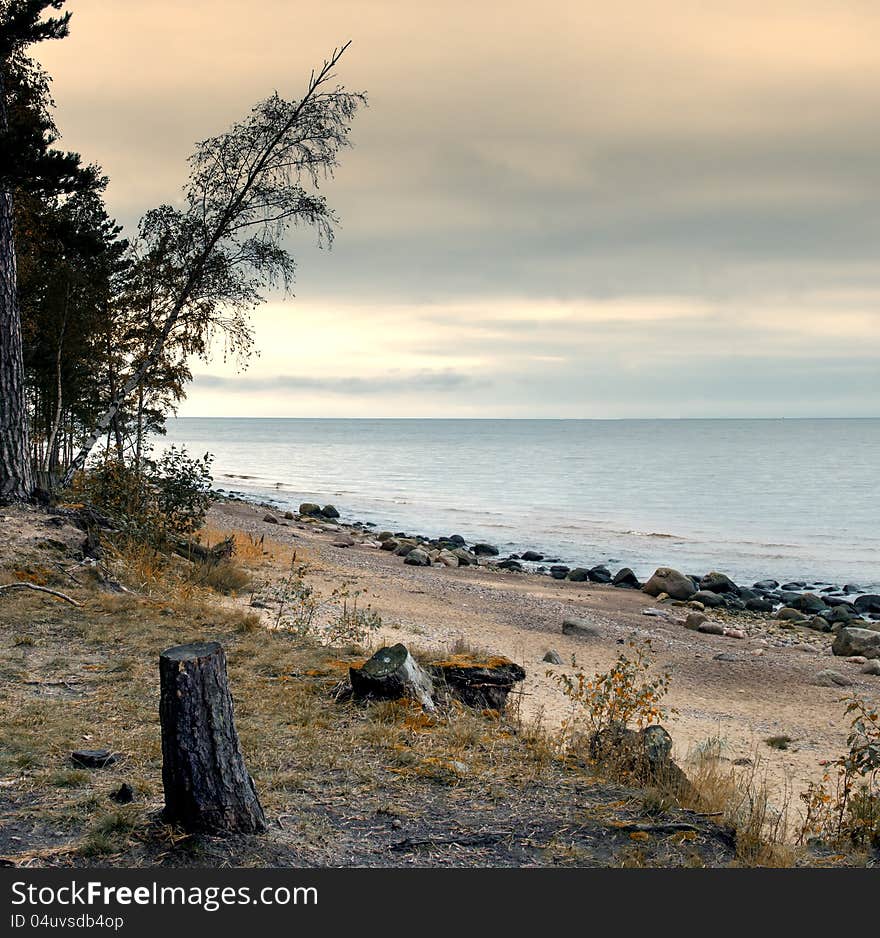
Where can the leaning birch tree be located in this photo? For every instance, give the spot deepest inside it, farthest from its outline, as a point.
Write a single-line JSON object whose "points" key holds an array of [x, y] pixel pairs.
{"points": [[217, 254]]}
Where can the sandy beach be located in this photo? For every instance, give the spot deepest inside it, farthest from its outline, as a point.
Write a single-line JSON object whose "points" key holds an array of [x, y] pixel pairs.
{"points": [[736, 692]]}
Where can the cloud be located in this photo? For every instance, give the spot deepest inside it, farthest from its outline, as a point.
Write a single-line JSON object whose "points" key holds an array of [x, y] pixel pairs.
{"points": [[417, 383], [686, 195]]}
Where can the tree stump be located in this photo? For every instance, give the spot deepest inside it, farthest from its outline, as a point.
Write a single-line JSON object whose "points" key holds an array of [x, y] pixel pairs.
{"points": [[207, 787], [484, 685], [391, 674]]}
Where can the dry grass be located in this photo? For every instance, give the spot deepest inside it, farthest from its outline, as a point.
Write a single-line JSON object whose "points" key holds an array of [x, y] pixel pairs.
{"points": [[743, 800], [254, 553]]}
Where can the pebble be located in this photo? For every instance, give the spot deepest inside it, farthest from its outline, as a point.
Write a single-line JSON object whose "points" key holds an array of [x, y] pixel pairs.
{"points": [[872, 666]]}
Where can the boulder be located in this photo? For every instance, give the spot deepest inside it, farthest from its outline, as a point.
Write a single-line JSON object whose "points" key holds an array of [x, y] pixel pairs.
{"points": [[709, 599], [485, 550], [289, 516], [694, 620], [626, 579], [329, 511], [580, 628], [794, 586], [389, 543], [871, 667], [787, 614], [711, 628], [532, 555], [759, 605], [559, 571], [510, 564], [417, 558], [552, 657], [819, 624], [718, 583], [809, 603], [578, 575], [448, 559], [855, 641], [465, 557], [829, 678], [600, 574], [270, 519], [667, 580], [309, 509], [646, 753], [866, 604], [344, 540], [765, 585]]}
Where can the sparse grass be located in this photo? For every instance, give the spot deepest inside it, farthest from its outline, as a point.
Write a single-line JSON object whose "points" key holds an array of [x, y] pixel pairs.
{"points": [[743, 801]]}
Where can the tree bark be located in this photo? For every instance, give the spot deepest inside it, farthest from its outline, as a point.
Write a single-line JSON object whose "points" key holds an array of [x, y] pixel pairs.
{"points": [[16, 472], [207, 787], [392, 674], [59, 408]]}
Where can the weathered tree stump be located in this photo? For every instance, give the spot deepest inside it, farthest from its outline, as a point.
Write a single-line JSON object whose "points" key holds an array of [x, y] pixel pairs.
{"points": [[392, 674], [207, 787], [484, 685]]}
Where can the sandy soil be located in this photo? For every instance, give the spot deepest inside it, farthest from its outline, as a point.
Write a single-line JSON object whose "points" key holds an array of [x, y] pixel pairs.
{"points": [[758, 690]]}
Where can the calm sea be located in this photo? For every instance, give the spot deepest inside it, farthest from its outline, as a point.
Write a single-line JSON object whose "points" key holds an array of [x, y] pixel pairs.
{"points": [[791, 499]]}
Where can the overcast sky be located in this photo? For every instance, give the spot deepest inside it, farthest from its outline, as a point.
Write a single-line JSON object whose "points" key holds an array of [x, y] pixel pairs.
{"points": [[554, 209]]}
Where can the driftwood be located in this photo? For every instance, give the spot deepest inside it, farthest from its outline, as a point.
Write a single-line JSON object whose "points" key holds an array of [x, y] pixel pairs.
{"points": [[392, 674], [207, 787], [192, 550], [39, 589]]}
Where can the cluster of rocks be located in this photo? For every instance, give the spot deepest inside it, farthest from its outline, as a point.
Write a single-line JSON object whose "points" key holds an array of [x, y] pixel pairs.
{"points": [[854, 620], [790, 601]]}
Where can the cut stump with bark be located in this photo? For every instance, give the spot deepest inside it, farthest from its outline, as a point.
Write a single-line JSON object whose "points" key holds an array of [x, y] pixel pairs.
{"points": [[392, 674], [484, 685], [207, 787]]}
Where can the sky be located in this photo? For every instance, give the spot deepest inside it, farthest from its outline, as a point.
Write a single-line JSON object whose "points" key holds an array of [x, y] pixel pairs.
{"points": [[555, 209]]}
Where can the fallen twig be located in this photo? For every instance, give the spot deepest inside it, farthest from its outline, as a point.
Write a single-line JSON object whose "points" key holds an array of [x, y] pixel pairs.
{"points": [[39, 589]]}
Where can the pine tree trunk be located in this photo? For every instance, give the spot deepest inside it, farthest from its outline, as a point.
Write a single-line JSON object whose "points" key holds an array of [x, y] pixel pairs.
{"points": [[16, 474], [207, 787]]}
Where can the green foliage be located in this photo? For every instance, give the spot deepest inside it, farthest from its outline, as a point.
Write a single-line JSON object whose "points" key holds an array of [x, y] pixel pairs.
{"points": [[182, 487], [166, 498]]}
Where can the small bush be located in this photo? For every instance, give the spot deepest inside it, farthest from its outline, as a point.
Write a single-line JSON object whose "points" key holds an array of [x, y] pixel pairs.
{"points": [[164, 498], [621, 696], [845, 806]]}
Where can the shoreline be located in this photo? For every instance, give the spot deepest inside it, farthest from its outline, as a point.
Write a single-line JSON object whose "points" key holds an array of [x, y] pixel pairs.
{"points": [[735, 691], [825, 587]]}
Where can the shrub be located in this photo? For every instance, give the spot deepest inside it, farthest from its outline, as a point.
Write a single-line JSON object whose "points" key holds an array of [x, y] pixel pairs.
{"points": [[165, 498], [620, 697], [845, 806]]}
